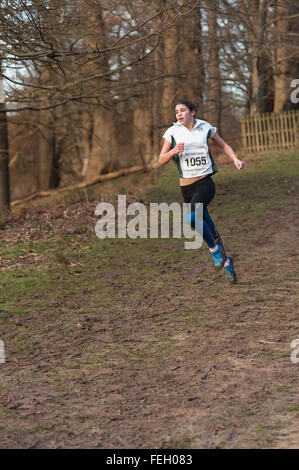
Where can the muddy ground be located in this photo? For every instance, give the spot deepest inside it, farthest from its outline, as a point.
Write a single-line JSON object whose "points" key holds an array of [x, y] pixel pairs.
{"points": [[123, 343]]}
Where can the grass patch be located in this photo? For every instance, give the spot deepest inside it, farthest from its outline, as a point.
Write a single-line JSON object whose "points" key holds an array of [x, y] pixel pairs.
{"points": [[136, 298]]}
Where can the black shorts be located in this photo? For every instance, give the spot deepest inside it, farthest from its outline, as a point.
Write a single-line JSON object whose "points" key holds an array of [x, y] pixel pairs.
{"points": [[202, 190]]}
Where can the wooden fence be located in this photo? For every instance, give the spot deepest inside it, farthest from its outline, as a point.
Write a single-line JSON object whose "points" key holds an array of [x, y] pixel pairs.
{"points": [[270, 131]]}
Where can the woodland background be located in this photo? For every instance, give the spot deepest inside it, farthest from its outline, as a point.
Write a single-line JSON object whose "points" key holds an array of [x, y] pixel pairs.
{"points": [[90, 85]]}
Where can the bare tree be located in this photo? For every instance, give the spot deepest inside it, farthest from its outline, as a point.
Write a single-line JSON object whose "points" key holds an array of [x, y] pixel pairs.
{"points": [[258, 10], [191, 65], [171, 64], [44, 160], [282, 54], [97, 80], [86, 54], [4, 159], [213, 106]]}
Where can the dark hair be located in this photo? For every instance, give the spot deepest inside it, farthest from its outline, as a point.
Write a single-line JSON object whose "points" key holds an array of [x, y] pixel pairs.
{"points": [[190, 104]]}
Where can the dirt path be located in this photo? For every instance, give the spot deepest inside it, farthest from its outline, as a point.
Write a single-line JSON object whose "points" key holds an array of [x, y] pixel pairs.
{"points": [[131, 350]]}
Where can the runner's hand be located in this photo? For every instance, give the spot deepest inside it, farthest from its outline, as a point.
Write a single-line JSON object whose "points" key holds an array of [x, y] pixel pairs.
{"points": [[239, 164], [179, 148]]}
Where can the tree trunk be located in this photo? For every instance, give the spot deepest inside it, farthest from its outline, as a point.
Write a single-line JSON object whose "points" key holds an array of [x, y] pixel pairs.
{"points": [[293, 67], [4, 160], [259, 62], [44, 162], [257, 97], [142, 139], [200, 82], [155, 95], [171, 65], [282, 89], [103, 144], [103, 150], [213, 106], [190, 83]]}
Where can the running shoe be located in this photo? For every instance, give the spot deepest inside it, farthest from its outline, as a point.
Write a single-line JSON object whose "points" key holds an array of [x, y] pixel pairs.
{"points": [[218, 257], [229, 269]]}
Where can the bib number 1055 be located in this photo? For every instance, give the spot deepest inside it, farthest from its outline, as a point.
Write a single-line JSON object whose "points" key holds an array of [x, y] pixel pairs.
{"points": [[195, 161]]}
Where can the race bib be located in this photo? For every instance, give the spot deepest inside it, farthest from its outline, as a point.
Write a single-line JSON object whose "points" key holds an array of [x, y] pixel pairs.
{"points": [[195, 158]]}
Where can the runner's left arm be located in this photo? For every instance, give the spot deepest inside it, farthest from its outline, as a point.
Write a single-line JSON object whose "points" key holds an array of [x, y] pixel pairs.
{"points": [[228, 151]]}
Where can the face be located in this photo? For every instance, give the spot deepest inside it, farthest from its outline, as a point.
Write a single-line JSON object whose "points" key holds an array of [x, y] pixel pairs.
{"points": [[183, 114]]}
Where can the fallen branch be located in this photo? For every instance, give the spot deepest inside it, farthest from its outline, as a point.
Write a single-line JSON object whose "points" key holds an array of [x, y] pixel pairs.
{"points": [[85, 184], [267, 342]]}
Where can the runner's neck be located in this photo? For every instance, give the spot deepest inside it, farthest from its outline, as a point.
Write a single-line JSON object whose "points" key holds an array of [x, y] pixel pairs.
{"points": [[190, 127]]}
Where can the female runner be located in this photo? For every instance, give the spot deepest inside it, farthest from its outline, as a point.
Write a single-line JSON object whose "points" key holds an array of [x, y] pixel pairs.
{"points": [[186, 141]]}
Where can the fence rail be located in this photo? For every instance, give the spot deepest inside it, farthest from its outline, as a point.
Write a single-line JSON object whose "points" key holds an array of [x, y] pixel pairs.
{"points": [[270, 131]]}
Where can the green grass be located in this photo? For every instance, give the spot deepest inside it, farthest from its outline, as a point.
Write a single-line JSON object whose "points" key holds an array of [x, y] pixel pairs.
{"points": [[293, 407], [106, 279], [40, 428]]}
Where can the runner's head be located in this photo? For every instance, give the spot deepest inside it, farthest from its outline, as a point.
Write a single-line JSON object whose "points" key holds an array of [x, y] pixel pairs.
{"points": [[185, 111]]}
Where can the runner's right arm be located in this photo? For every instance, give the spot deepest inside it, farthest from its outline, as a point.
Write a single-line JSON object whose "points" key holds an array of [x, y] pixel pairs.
{"points": [[167, 152]]}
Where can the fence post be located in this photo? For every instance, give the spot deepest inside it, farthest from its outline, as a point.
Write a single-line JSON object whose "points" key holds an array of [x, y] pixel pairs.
{"points": [[270, 131]]}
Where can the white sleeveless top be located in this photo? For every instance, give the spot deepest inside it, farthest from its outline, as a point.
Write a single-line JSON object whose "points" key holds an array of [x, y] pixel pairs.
{"points": [[196, 160]]}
